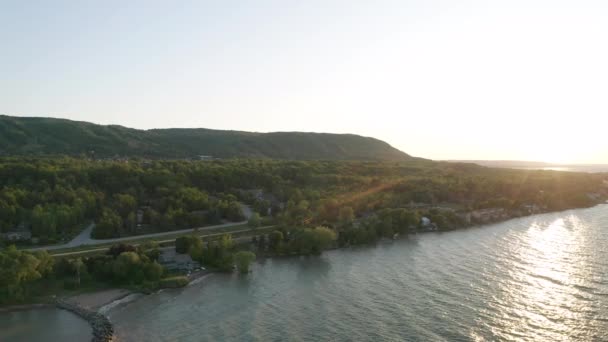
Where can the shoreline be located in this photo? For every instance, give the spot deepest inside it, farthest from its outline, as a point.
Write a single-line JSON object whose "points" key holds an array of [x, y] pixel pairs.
{"points": [[95, 300], [508, 218], [93, 306], [88, 307], [24, 307], [103, 331]]}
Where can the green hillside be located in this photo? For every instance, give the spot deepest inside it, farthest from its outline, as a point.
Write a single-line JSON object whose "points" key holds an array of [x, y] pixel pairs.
{"points": [[49, 136]]}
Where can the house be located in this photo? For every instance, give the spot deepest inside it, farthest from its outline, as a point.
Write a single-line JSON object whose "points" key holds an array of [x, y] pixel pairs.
{"points": [[174, 261], [19, 233], [530, 209], [140, 217], [261, 195], [205, 158], [427, 224], [425, 221], [17, 236]]}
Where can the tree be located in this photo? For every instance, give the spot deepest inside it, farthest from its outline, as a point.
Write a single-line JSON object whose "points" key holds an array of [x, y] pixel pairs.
{"points": [[196, 248], [152, 217], [329, 210], [108, 226], [233, 212], [44, 223], [262, 207], [324, 237], [78, 266], [274, 240], [297, 215], [243, 260], [177, 217], [213, 216], [347, 216], [118, 249], [153, 271], [126, 267], [124, 204], [193, 198], [149, 249], [8, 213], [220, 253], [45, 263], [183, 244], [226, 242], [409, 220], [17, 268], [313, 241], [262, 242], [254, 221]]}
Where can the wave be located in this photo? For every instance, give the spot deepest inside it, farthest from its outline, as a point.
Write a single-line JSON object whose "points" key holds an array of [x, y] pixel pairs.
{"points": [[126, 299], [199, 279]]}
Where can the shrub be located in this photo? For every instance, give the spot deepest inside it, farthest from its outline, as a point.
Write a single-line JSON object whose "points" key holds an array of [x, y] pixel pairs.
{"points": [[243, 259], [174, 282]]}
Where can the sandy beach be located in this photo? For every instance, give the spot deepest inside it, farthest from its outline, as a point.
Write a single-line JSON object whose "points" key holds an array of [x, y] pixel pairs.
{"points": [[95, 300]]}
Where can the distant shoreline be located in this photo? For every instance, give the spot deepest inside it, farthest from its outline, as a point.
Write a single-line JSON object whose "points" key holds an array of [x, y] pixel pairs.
{"points": [[541, 166], [25, 307]]}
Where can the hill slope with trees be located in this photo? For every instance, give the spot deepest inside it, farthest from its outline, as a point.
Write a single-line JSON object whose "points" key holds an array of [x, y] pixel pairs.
{"points": [[49, 136]]}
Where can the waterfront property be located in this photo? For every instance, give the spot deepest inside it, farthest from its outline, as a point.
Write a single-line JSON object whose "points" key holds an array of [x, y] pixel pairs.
{"points": [[177, 262]]}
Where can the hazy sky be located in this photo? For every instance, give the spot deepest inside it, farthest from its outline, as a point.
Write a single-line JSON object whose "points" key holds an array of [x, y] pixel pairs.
{"points": [[450, 79]]}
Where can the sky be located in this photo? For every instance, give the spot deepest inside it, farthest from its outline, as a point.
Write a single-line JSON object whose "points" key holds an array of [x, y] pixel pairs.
{"points": [[498, 80]]}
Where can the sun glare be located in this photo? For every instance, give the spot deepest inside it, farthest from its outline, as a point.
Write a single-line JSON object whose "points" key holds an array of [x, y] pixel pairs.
{"points": [[556, 149]]}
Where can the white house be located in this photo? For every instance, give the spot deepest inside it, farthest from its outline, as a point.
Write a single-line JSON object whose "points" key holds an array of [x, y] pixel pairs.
{"points": [[425, 221]]}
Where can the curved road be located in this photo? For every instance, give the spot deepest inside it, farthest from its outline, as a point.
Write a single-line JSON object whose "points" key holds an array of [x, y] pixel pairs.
{"points": [[85, 239]]}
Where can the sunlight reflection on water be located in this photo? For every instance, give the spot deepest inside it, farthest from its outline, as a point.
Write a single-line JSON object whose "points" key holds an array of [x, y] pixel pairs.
{"points": [[541, 278], [539, 302]]}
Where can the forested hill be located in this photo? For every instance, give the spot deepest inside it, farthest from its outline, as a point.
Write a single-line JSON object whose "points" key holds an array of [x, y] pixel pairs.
{"points": [[49, 136]]}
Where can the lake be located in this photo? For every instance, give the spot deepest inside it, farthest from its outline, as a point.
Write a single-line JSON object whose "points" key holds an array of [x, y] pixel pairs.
{"points": [[42, 325], [539, 278]]}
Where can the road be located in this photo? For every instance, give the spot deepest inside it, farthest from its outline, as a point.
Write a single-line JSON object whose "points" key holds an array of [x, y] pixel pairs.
{"points": [[240, 239], [85, 239]]}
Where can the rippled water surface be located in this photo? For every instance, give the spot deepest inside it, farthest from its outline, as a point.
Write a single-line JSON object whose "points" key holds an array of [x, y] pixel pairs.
{"points": [[541, 278], [42, 325]]}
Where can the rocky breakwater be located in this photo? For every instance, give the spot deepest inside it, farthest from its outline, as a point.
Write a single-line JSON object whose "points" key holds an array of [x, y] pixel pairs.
{"points": [[102, 328]]}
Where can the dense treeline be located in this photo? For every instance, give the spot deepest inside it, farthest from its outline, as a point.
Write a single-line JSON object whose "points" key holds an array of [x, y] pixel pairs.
{"points": [[25, 275], [314, 205], [303, 241], [56, 197]]}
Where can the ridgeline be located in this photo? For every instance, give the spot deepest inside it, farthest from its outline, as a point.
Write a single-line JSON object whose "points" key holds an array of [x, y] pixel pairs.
{"points": [[27, 136]]}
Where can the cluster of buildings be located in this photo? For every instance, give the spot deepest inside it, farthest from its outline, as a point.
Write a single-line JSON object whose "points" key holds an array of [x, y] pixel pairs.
{"points": [[261, 195]]}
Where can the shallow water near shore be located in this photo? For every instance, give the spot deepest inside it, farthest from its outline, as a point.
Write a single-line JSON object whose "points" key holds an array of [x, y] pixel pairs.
{"points": [[43, 325], [539, 278]]}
